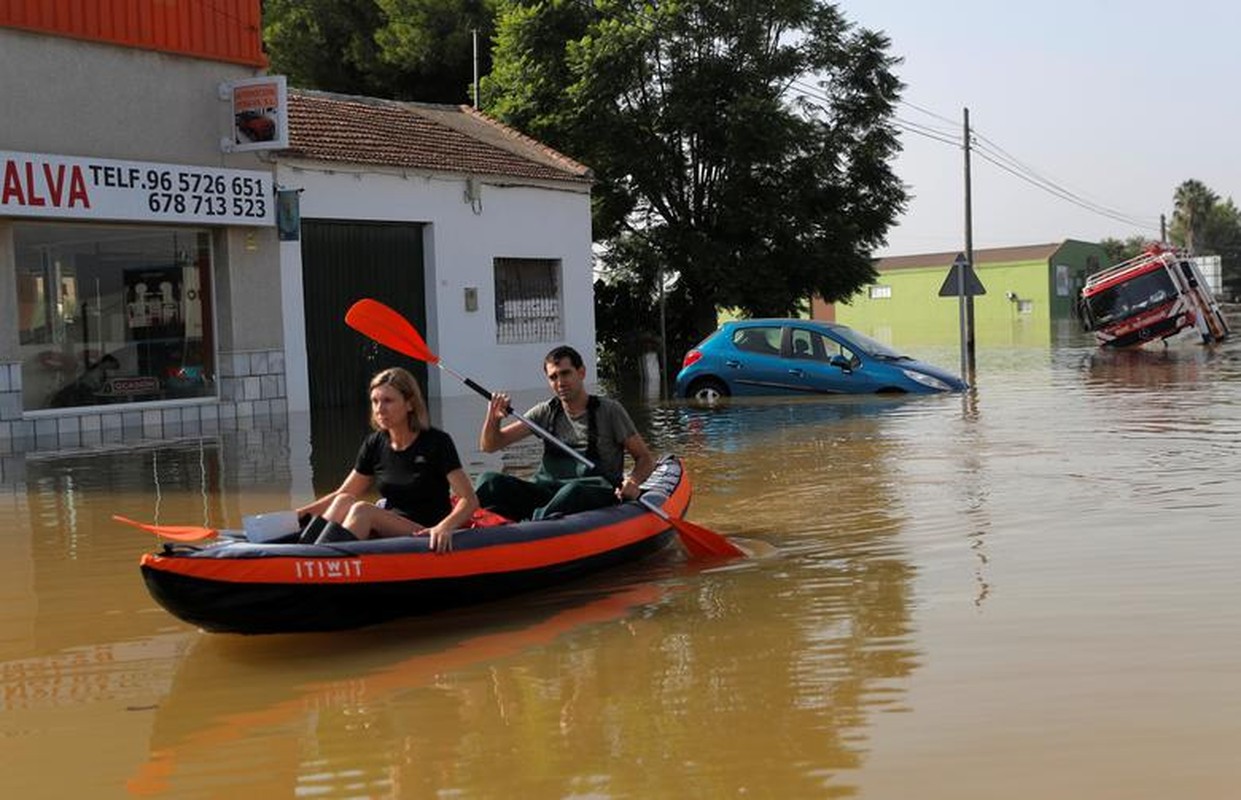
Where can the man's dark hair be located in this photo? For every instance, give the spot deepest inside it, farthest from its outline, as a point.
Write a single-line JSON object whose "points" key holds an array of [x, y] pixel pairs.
{"points": [[564, 351]]}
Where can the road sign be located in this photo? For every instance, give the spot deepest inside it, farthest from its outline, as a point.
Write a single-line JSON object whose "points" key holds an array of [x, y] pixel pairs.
{"points": [[952, 284]]}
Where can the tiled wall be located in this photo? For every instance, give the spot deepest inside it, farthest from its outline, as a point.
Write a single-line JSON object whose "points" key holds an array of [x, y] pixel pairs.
{"points": [[251, 385]]}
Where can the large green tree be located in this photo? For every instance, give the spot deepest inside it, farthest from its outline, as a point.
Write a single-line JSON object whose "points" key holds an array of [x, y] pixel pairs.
{"points": [[742, 149], [403, 49]]}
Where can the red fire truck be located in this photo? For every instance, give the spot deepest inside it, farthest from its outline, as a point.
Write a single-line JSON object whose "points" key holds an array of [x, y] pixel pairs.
{"points": [[1149, 298]]}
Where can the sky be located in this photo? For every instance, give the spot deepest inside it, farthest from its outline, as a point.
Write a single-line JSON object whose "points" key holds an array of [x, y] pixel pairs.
{"points": [[1113, 103]]}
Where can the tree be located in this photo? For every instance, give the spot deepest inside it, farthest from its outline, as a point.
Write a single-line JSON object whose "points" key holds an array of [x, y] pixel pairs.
{"points": [[740, 147], [1189, 218], [401, 49], [1205, 225], [1222, 237], [1118, 250], [433, 39]]}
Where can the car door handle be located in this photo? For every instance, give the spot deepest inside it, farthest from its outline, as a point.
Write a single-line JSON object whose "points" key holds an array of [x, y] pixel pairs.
{"points": [[797, 372], [732, 362]]}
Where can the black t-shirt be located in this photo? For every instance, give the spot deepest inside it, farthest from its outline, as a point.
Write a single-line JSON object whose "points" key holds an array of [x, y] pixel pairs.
{"points": [[414, 481]]}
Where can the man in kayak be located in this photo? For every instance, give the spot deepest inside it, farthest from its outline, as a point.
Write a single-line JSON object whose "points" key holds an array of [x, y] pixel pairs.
{"points": [[597, 427]]}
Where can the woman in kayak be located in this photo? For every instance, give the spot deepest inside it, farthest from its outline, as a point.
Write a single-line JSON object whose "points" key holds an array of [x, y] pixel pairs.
{"points": [[412, 465]]}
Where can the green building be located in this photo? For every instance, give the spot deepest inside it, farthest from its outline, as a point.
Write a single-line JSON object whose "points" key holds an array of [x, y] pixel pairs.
{"points": [[1030, 296]]}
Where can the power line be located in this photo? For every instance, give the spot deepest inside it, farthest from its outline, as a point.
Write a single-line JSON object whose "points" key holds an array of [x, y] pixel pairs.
{"points": [[929, 113], [1066, 195], [997, 156], [929, 133], [946, 137], [1035, 177]]}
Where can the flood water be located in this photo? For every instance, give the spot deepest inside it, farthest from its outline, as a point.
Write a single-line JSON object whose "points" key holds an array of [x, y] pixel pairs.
{"points": [[1029, 591]]}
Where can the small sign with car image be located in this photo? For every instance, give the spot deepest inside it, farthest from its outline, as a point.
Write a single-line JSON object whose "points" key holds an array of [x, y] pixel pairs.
{"points": [[260, 114]]}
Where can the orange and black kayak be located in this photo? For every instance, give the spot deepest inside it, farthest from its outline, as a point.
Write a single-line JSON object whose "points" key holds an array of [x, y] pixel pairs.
{"points": [[236, 586]]}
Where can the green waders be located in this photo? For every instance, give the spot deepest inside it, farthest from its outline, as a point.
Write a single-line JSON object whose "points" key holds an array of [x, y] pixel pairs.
{"points": [[545, 494]]}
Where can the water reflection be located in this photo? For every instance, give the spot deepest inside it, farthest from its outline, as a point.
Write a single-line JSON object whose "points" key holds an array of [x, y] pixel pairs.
{"points": [[341, 710], [603, 691], [1146, 369]]}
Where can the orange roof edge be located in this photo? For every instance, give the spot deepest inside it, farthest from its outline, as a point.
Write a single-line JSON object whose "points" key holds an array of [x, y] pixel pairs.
{"points": [[221, 30]]}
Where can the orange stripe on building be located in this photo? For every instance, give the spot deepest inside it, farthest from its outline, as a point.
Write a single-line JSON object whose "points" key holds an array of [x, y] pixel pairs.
{"points": [[215, 30]]}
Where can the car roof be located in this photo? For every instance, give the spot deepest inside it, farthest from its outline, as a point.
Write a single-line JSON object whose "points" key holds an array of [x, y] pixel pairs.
{"points": [[767, 321]]}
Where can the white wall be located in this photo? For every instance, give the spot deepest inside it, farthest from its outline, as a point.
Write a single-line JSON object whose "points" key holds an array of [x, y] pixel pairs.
{"points": [[462, 239]]}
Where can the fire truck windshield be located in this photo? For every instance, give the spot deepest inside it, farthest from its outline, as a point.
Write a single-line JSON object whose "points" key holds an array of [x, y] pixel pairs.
{"points": [[1130, 297]]}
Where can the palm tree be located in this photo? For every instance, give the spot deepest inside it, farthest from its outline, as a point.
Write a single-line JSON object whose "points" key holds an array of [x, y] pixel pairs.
{"points": [[1194, 202]]}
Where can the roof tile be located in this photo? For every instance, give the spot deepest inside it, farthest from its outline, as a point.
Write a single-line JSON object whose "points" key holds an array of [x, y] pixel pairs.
{"points": [[994, 255], [366, 130]]}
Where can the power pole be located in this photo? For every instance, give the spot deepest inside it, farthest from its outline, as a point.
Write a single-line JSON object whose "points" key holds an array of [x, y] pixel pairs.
{"points": [[967, 299], [1163, 228], [474, 35]]}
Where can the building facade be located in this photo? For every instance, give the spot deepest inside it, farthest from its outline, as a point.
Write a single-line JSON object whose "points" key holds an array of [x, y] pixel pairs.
{"points": [[156, 283]]}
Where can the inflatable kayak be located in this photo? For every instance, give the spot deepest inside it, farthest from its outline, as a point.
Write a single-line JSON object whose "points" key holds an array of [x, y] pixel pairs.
{"points": [[237, 586]]}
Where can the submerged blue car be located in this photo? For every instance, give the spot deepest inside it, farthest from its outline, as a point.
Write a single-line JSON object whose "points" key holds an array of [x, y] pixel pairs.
{"points": [[801, 356]]}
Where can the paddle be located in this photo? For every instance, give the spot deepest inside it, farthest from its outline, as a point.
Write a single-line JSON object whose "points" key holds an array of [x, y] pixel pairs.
{"points": [[181, 533], [386, 326]]}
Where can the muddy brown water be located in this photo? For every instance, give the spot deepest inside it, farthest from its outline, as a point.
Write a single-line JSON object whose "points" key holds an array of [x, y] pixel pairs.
{"points": [[1028, 591]]}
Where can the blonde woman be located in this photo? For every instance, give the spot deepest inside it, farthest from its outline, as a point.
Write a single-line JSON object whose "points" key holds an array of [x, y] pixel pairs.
{"points": [[413, 467]]}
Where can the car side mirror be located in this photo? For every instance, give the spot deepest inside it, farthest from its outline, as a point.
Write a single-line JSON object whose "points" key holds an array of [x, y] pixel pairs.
{"points": [[840, 362]]}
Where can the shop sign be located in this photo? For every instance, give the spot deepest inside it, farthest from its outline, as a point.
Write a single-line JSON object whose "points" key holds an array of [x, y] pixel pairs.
{"points": [[71, 187], [260, 114]]}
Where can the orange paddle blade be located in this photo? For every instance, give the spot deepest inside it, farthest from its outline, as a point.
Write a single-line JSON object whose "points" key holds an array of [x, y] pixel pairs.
{"points": [[379, 322], [702, 542], [181, 533]]}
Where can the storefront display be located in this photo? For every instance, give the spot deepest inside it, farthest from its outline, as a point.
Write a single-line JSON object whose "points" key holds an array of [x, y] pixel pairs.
{"points": [[112, 314]]}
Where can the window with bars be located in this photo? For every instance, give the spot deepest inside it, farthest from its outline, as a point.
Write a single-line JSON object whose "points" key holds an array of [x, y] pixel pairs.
{"points": [[527, 300], [880, 292]]}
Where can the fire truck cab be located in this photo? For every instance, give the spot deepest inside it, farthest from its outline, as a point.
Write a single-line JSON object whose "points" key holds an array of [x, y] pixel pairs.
{"points": [[1149, 298]]}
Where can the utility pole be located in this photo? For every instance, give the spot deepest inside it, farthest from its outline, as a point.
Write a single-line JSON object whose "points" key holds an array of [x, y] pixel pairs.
{"points": [[1163, 228], [967, 299], [474, 34], [663, 337]]}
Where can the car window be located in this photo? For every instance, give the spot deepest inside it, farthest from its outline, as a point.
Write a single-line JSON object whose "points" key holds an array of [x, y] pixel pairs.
{"points": [[868, 346], [765, 340], [819, 347], [802, 343]]}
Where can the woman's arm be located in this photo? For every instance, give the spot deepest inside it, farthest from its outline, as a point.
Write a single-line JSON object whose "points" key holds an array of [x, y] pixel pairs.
{"points": [[466, 505], [356, 484]]}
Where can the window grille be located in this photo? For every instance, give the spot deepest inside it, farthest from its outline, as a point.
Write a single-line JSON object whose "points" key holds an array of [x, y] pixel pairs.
{"points": [[527, 300], [880, 292]]}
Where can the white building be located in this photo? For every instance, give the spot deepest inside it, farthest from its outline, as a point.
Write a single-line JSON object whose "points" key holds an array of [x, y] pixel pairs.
{"points": [[478, 235]]}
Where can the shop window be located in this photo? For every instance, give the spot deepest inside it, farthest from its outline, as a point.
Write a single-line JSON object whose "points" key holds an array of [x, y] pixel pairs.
{"points": [[527, 300], [113, 314]]}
